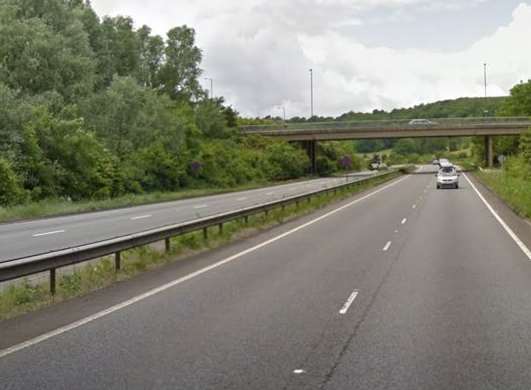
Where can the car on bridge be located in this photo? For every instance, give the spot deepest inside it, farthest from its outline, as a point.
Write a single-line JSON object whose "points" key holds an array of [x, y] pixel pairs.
{"points": [[421, 122], [447, 177]]}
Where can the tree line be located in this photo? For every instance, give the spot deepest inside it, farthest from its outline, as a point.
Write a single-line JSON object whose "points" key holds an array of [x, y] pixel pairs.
{"points": [[93, 108]]}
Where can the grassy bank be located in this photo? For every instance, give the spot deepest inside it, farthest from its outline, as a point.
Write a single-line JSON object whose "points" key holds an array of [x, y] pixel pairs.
{"points": [[25, 296], [515, 191], [57, 207]]}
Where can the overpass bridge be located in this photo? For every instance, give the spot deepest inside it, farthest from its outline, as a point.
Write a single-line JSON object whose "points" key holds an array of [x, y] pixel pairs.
{"points": [[312, 132]]}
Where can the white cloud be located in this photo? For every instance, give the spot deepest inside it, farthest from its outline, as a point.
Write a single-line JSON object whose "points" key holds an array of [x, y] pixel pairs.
{"points": [[258, 52]]}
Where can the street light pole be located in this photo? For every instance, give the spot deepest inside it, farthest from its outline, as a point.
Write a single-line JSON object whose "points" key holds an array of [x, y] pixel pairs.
{"points": [[485, 77], [311, 93], [283, 110], [211, 87]]}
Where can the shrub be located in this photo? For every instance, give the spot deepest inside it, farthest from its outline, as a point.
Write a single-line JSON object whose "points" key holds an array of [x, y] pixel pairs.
{"points": [[11, 191]]}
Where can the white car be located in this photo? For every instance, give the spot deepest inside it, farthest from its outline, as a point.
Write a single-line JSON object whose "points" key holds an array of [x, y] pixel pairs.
{"points": [[447, 177], [421, 122], [444, 163]]}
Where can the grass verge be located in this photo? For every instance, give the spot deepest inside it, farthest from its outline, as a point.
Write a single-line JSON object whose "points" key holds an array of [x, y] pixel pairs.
{"points": [[24, 297], [516, 192]]}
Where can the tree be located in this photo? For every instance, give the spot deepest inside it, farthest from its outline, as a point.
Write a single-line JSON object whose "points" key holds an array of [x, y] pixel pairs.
{"points": [[178, 76], [50, 53], [519, 103], [129, 117], [151, 56]]}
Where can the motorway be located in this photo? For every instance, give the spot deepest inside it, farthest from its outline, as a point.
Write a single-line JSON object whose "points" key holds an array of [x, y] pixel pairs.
{"points": [[28, 238], [402, 287]]}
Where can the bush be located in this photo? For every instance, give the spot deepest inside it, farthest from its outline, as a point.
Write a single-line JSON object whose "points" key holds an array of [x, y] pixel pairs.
{"points": [[11, 191], [285, 161]]}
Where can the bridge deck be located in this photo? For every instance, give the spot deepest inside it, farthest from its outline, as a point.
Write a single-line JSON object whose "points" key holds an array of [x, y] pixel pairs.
{"points": [[333, 130]]}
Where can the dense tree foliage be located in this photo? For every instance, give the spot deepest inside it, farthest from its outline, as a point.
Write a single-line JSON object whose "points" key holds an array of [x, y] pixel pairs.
{"points": [[518, 149], [94, 108]]}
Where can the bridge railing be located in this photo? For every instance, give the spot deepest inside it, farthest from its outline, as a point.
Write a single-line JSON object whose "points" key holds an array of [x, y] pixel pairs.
{"points": [[390, 124]]}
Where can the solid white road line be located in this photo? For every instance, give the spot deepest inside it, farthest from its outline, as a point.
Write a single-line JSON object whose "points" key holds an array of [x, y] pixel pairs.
{"points": [[270, 193], [509, 231], [299, 371], [387, 246], [141, 217], [404, 221], [48, 233], [241, 199], [349, 302], [201, 206], [164, 287]]}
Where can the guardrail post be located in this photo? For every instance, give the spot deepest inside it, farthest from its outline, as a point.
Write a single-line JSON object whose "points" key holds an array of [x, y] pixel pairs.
{"points": [[167, 244], [220, 228], [117, 261], [52, 281], [297, 203], [205, 233], [266, 213], [246, 219]]}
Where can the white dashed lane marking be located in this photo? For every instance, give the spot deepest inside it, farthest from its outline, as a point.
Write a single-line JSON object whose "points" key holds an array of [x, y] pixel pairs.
{"points": [[349, 302], [141, 217], [48, 233]]}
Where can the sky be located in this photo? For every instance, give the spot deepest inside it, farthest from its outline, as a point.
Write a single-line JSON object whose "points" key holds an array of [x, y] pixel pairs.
{"points": [[365, 54]]}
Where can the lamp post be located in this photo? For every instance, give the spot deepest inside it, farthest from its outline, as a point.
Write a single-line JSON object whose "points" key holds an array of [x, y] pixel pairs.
{"points": [[311, 93], [485, 77], [211, 87], [284, 111]]}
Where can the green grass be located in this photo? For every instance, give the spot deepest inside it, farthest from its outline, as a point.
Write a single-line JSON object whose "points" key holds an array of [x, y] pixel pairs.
{"points": [[24, 296], [57, 207], [515, 191]]}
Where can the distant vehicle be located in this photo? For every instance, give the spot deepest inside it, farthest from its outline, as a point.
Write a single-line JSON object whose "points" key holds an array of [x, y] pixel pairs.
{"points": [[444, 163], [435, 162], [421, 122], [447, 177]]}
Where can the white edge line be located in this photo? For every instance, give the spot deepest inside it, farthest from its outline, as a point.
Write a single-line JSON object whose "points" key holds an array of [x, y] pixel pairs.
{"points": [[349, 302], [509, 231], [201, 206], [414, 206], [48, 233], [242, 198], [404, 221], [387, 246], [150, 293]]}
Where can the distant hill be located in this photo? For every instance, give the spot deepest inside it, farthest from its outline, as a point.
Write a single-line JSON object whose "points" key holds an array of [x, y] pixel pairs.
{"points": [[456, 108], [462, 107]]}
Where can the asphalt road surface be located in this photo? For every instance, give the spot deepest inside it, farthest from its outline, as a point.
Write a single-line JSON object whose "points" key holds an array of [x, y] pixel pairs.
{"points": [[406, 287], [24, 239]]}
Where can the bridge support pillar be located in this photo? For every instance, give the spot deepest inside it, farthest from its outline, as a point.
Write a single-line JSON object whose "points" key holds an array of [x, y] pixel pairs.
{"points": [[489, 151], [311, 149]]}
